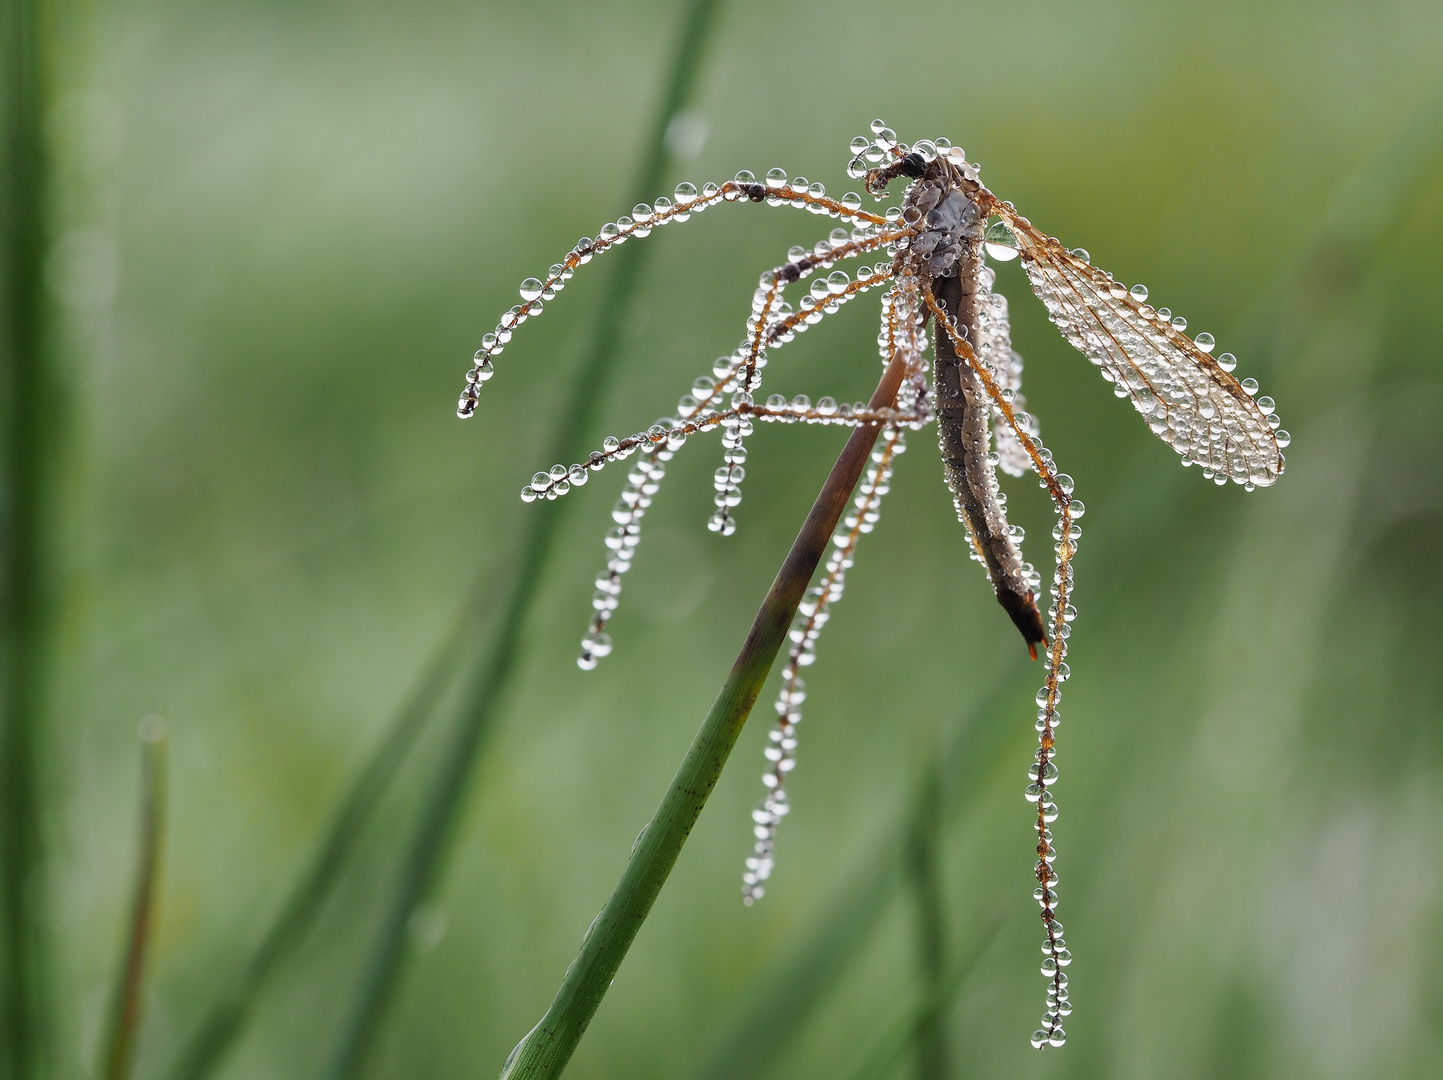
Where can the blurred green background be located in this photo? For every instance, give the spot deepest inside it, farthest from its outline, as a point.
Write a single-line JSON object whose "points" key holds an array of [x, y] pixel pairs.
{"points": [[281, 231]]}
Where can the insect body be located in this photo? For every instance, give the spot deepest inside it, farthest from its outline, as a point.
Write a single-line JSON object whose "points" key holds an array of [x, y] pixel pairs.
{"points": [[934, 276]]}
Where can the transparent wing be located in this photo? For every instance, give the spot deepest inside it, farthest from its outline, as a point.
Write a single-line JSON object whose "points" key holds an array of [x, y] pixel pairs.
{"points": [[1186, 396], [994, 348]]}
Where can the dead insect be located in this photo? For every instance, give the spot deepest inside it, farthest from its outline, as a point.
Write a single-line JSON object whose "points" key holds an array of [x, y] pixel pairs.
{"points": [[934, 275]]}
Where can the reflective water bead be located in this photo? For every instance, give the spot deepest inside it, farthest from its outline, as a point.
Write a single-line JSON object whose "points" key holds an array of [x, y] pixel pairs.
{"points": [[1250, 385], [1000, 243], [484, 369], [1205, 341], [776, 178], [1282, 438], [859, 145], [1039, 1039], [530, 289], [1227, 361], [1178, 323], [878, 126], [685, 192]]}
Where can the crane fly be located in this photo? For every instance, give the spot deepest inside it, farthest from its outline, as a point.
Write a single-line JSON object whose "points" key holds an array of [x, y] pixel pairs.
{"points": [[937, 293]]}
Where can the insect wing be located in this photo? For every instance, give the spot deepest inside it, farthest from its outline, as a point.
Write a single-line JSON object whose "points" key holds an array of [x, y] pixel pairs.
{"points": [[1185, 396]]}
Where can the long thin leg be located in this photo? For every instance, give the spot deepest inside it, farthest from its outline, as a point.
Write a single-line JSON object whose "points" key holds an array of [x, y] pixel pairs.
{"points": [[1043, 772]]}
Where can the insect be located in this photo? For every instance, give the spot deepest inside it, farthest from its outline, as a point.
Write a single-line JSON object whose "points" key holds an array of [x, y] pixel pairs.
{"points": [[937, 291]]}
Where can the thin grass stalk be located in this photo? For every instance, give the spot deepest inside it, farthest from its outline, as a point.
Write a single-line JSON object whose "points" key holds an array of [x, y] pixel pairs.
{"points": [[128, 1001], [228, 1015], [493, 671], [28, 398], [924, 855], [929, 1003], [544, 1052]]}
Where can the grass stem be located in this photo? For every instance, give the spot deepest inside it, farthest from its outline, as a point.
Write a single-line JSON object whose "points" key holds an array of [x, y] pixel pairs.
{"points": [[549, 1046], [493, 672], [28, 398], [924, 854], [130, 980]]}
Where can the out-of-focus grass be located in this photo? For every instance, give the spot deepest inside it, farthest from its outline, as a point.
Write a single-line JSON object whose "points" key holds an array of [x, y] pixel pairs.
{"points": [[316, 212], [28, 411], [128, 1002]]}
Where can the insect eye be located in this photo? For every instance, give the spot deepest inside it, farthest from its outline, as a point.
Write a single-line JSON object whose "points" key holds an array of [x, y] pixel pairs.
{"points": [[913, 165]]}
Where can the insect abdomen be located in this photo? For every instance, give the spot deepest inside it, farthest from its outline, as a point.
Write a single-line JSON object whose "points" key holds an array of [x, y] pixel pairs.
{"points": [[964, 436]]}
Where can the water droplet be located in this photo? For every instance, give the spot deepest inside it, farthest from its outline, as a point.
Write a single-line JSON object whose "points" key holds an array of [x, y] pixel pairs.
{"points": [[1001, 244], [1205, 341], [530, 289]]}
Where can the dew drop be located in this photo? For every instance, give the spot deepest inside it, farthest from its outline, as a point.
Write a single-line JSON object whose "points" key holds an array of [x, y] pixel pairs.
{"points": [[530, 289]]}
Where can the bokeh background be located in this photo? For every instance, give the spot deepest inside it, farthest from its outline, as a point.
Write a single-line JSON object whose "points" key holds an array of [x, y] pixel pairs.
{"points": [[281, 231]]}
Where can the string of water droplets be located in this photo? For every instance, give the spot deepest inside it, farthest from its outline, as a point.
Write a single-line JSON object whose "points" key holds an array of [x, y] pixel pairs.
{"points": [[812, 614], [825, 298]]}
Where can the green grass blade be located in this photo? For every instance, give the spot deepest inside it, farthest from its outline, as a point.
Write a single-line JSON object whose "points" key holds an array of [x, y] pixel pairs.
{"points": [[925, 1013], [493, 673], [228, 1015], [924, 855], [127, 1002], [28, 398], [545, 1051]]}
